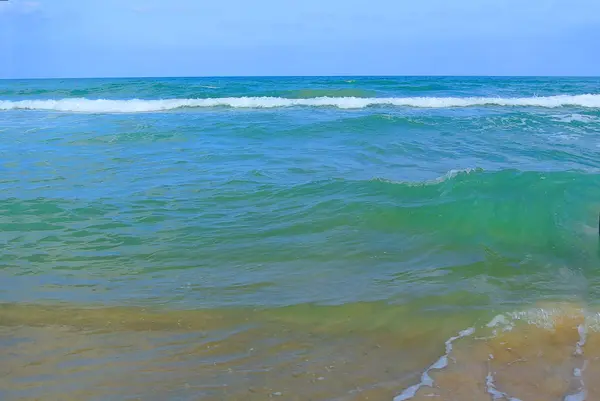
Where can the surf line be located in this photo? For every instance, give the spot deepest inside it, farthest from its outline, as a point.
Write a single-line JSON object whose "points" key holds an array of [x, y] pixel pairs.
{"points": [[581, 394], [491, 385], [441, 363]]}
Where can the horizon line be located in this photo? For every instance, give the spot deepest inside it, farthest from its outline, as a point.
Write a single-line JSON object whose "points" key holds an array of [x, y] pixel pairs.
{"points": [[297, 76]]}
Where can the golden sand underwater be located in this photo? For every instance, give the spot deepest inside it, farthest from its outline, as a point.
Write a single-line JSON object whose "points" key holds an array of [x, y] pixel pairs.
{"points": [[545, 352]]}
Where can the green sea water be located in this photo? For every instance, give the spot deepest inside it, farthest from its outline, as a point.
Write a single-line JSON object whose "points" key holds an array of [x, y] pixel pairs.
{"points": [[384, 206]]}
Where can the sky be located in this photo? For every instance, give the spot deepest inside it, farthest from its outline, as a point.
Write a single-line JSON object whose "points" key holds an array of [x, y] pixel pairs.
{"points": [[117, 38]]}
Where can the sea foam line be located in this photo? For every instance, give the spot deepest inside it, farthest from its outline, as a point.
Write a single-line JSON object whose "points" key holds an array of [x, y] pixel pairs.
{"points": [[542, 318], [140, 105], [493, 391], [581, 394], [441, 363]]}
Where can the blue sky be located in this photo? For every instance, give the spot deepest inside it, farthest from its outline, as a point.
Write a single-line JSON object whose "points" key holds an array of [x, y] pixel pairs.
{"points": [[76, 38]]}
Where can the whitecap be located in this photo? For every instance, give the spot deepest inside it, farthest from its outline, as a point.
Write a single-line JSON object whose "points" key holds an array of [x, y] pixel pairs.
{"points": [[141, 105]]}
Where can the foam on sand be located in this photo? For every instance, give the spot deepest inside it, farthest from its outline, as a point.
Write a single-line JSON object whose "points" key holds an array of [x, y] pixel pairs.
{"points": [[542, 353], [441, 363]]}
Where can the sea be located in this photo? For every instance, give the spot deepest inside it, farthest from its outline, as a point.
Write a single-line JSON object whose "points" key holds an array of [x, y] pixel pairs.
{"points": [[300, 238]]}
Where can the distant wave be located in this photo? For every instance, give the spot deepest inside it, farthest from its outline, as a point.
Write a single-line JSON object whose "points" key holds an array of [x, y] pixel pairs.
{"points": [[139, 105]]}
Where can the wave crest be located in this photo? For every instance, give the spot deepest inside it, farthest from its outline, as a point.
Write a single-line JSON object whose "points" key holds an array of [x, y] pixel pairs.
{"points": [[140, 105]]}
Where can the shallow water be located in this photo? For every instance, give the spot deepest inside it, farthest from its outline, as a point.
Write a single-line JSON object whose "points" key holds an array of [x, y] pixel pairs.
{"points": [[546, 352], [299, 238]]}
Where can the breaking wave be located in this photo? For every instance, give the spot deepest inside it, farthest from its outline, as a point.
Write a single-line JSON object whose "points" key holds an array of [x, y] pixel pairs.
{"points": [[140, 105]]}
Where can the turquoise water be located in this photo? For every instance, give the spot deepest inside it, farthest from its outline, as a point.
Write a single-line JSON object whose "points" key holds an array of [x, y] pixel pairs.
{"points": [[222, 206], [458, 196]]}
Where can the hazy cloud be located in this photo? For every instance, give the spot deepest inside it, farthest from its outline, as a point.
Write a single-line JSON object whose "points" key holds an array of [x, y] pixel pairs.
{"points": [[21, 7]]}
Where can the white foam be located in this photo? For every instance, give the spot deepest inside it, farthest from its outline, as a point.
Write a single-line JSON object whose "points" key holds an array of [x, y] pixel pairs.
{"points": [[581, 394], [495, 393], [139, 105], [498, 320], [444, 177], [442, 362], [569, 118], [544, 317], [592, 321], [453, 173], [581, 329], [541, 317]]}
